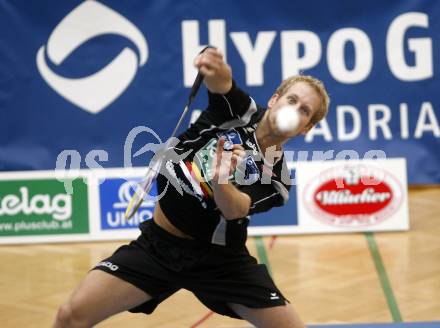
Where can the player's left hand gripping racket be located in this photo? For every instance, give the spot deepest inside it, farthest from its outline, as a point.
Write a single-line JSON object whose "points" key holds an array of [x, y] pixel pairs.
{"points": [[144, 187]]}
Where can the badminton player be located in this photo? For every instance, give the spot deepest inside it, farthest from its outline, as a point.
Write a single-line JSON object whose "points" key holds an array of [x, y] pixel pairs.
{"points": [[196, 241]]}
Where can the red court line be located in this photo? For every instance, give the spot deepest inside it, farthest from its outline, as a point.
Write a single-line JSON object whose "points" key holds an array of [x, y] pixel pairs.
{"points": [[202, 320], [210, 313], [272, 241]]}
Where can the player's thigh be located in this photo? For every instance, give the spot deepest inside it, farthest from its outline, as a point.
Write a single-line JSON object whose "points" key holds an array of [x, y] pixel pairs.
{"points": [[272, 317], [101, 295]]}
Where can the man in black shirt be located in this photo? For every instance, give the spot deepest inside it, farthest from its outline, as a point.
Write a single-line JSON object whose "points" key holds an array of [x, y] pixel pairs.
{"points": [[230, 166]]}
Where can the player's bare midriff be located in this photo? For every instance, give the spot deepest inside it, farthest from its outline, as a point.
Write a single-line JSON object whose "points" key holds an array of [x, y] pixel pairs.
{"points": [[161, 220]]}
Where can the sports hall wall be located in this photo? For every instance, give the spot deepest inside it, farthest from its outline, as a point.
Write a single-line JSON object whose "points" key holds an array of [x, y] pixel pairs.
{"points": [[85, 85]]}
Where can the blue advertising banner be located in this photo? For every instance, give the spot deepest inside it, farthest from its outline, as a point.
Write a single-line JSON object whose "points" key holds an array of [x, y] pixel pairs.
{"points": [[114, 197], [79, 79], [286, 215]]}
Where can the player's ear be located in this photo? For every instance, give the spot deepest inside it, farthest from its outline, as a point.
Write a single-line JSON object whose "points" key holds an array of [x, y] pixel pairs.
{"points": [[272, 100]]}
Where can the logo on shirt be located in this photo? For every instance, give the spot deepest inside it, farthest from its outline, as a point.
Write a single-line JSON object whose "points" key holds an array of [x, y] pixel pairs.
{"points": [[253, 146], [249, 173], [232, 137], [204, 159]]}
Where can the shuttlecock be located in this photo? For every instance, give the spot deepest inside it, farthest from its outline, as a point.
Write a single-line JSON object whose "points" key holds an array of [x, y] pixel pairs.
{"points": [[287, 119]]}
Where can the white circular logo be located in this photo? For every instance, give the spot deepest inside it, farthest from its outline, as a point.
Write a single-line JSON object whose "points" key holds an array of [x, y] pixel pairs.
{"points": [[94, 92]]}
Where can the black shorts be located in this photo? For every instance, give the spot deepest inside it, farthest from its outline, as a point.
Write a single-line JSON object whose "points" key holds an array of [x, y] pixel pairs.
{"points": [[160, 264]]}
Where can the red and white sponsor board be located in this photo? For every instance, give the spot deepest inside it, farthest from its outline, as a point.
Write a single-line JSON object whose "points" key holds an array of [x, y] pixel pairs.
{"points": [[348, 196]]}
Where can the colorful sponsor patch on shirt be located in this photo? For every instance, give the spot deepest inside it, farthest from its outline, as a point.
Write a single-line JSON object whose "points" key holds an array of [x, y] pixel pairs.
{"points": [[198, 179], [204, 159], [247, 173], [232, 137]]}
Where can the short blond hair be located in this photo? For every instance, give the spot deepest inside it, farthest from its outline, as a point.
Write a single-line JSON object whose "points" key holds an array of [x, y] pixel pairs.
{"points": [[317, 85]]}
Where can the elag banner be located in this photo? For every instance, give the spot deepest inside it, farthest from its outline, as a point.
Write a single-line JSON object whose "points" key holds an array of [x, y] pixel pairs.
{"points": [[35, 207], [86, 84]]}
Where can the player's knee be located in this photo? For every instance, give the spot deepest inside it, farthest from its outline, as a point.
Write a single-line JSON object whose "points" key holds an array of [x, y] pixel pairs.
{"points": [[290, 319], [63, 316], [273, 317], [294, 324], [71, 316], [285, 322]]}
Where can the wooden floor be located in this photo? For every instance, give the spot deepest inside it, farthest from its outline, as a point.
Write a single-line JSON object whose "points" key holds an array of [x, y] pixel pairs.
{"points": [[328, 278]]}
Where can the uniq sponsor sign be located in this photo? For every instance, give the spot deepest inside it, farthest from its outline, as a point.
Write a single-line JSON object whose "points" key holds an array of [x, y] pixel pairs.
{"points": [[354, 195], [115, 195], [42, 207]]}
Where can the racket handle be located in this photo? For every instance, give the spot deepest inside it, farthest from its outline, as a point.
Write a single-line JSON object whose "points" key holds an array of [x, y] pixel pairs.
{"points": [[195, 87]]}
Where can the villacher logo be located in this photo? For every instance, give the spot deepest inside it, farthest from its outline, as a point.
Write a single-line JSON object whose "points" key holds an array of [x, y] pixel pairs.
{"points": [[353, 196]]}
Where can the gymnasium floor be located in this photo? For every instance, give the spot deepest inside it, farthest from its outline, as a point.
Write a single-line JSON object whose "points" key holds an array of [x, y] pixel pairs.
{"points": [[330, 279]]}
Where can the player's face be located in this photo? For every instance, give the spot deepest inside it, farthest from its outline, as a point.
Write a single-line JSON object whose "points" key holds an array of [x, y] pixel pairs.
{"points": [[300, 97]]}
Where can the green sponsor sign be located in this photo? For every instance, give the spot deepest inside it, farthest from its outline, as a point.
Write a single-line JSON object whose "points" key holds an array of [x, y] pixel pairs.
{"points": [[42, 207]]}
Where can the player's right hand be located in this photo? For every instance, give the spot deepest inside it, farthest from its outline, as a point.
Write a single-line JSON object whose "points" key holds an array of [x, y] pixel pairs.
{"points": [[226, 162], [217, 74]]}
